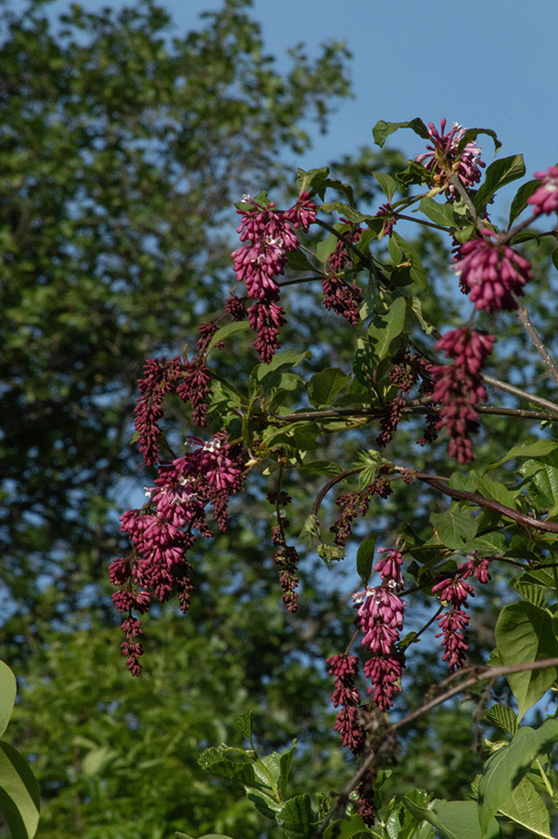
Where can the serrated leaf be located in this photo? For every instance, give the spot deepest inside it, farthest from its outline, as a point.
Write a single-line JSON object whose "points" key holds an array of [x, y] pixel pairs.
{"points": [[498, 174], [244, 725], [296, 817], [455, 528], [8, 690], [386, 327], [382, 129], [365, 558], [503, 716], [525, 633], [19, 794], [324, 386], [226, 331], [526, 808], [504, 770]]}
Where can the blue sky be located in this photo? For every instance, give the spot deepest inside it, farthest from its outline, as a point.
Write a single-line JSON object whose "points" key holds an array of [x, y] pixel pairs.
{"points": [[481, 64]]}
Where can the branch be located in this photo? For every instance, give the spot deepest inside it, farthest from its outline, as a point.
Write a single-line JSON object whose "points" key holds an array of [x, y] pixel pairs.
{"points": [[385, 736], [525, 321]]}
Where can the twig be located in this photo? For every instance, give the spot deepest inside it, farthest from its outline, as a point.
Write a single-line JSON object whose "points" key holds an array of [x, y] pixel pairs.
{"points": [[479, 675], [525, 321]]}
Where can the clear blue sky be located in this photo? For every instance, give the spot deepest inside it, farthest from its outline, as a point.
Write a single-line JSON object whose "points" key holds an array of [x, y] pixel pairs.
{"points": [[484, 63]]}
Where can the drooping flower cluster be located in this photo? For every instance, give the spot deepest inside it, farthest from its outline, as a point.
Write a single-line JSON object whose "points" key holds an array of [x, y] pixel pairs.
{"points": [[344, 668], [165, 528], [354, 504], [407, 370], [286, 556], [189, 379], [343, 298], [454, 592], [444, 160], [380, 611], [492, 274], [458, 387], [268, 237], [545, 198]]}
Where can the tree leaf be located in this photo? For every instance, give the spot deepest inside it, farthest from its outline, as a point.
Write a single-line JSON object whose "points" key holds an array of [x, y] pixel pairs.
{"points": [[504, 770], [325, 385], [19, 793], [455, 819], [226, 331], [382, 129], [386, 327], [244, 725], [344, 210], [436, 212], [503, 716], [526, 807], [540, 450], [520, 199], [296, 817], [8, 690], [498, 174], [471, 135], [455, 527], [525, 633], [365, 558], [387, 183]]}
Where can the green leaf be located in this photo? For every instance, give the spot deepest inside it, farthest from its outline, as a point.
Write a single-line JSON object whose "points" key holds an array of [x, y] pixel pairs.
{"points": [[471, 134], [285, 760], [386, 327], [387, 183], [525, 633], [455, 819], [298, 261], [296, 818], [505, 768], [365, 558], [498, 174], [344, 210], [554, 257], [226, 331], [494, 490], [436, 212], [504, 717], [320, 467], [539, 450], [7, 695], [520, 199], [19, 794], [382, 129], [346, 828], [312, 179], [244, 725], [455, 527], [532, 592], [526, 807], [325, 247], [325, 385], [416, 269]]}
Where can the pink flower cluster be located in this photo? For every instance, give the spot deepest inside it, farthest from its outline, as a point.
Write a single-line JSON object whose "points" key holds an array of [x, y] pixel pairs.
{"points": [[286, 556], [191, 382], [344, 668], [454, 592], [380, 611], [339, 296], [492, 274], [164, 529], [268, 237], [545, 198], [444, 160], [458, 387]]}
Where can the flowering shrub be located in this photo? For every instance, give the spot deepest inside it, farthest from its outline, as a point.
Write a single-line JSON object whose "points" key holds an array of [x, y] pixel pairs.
{"points": [[409, 370]]}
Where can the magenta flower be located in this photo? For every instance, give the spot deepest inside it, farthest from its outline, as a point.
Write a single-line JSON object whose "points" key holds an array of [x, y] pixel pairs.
{"points": [[477, 567], [443, 160], [458, 387], [545, 198], [453, 625], [345, 668], [492, 274]]}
